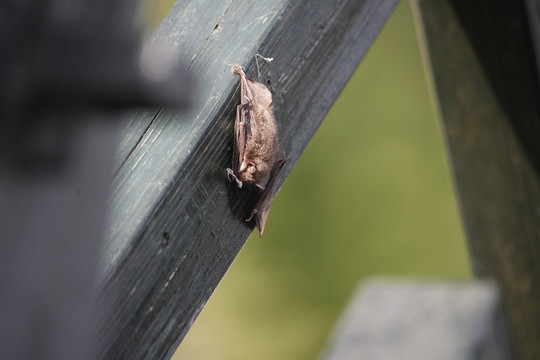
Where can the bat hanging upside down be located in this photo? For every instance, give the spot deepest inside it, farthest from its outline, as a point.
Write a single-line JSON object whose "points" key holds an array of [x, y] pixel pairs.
{"points": [[256, 155]]}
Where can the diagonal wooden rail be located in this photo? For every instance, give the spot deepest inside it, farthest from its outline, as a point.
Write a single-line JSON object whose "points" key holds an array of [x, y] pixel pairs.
{"points": [[176, 223]]}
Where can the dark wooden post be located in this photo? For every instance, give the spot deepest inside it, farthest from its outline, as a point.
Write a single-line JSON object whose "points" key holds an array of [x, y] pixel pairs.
{"points": [[176, 222], [482, 57]]}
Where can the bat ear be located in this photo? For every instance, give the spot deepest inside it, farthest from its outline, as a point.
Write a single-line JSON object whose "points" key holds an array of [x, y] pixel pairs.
{"points": [[247, 167], [251, 168]]}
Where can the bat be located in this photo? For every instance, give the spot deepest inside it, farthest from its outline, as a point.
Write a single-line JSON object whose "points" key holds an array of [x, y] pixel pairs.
{"points": [[256, 154]]}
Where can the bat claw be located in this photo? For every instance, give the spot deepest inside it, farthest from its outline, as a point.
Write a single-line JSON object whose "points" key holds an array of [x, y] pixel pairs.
{"points": [[260, 219], [237, 69], [232, 177], [251, 216]]}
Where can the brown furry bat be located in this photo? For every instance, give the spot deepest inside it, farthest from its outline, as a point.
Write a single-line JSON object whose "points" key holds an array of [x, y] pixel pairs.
{"points": [[256, 155]]}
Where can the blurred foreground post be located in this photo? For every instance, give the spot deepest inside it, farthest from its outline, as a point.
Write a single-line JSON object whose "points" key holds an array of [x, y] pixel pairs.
{"points": [[485, 75], [63, 66]]}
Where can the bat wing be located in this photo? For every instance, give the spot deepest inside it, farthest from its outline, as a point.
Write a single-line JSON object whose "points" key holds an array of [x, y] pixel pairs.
{"points": [[243, 122], [262, 207], [239, 143], [242, 130]]}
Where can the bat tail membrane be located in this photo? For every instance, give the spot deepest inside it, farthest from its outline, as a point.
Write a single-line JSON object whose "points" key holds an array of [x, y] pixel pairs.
{"points": [[262, 208]]}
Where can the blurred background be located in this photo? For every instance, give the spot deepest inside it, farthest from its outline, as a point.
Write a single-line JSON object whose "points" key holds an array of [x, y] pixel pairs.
{"points": [[371, 196]]}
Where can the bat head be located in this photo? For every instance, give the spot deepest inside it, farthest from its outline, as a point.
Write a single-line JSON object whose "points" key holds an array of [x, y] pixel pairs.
{"points": [[248, 172], [253, 171]]}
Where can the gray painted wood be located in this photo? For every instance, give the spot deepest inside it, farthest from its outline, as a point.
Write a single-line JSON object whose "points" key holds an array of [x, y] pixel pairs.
{"points": [[486, 81], [176, 223], [410, 320]]}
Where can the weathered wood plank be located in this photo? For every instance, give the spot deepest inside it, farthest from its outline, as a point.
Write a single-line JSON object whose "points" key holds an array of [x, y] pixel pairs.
{"points": [[422, 321], [485, 76], [533, 9], [176, 222]]}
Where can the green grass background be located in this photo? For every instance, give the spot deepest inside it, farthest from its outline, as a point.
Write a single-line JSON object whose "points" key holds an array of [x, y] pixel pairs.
{"points": [[370, 196]]}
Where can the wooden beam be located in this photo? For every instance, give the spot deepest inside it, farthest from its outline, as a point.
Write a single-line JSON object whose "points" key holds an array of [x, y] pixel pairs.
{"points": [[176, 222], [485, 76]]}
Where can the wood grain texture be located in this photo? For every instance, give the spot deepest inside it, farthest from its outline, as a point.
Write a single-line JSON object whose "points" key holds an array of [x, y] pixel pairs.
{"points": [[484, 72], [176, 222], [411, 320]]}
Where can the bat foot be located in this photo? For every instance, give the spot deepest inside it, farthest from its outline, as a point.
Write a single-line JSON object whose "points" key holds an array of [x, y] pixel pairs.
{"points": [[237, 69], [232, 177], [267, 59]]}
